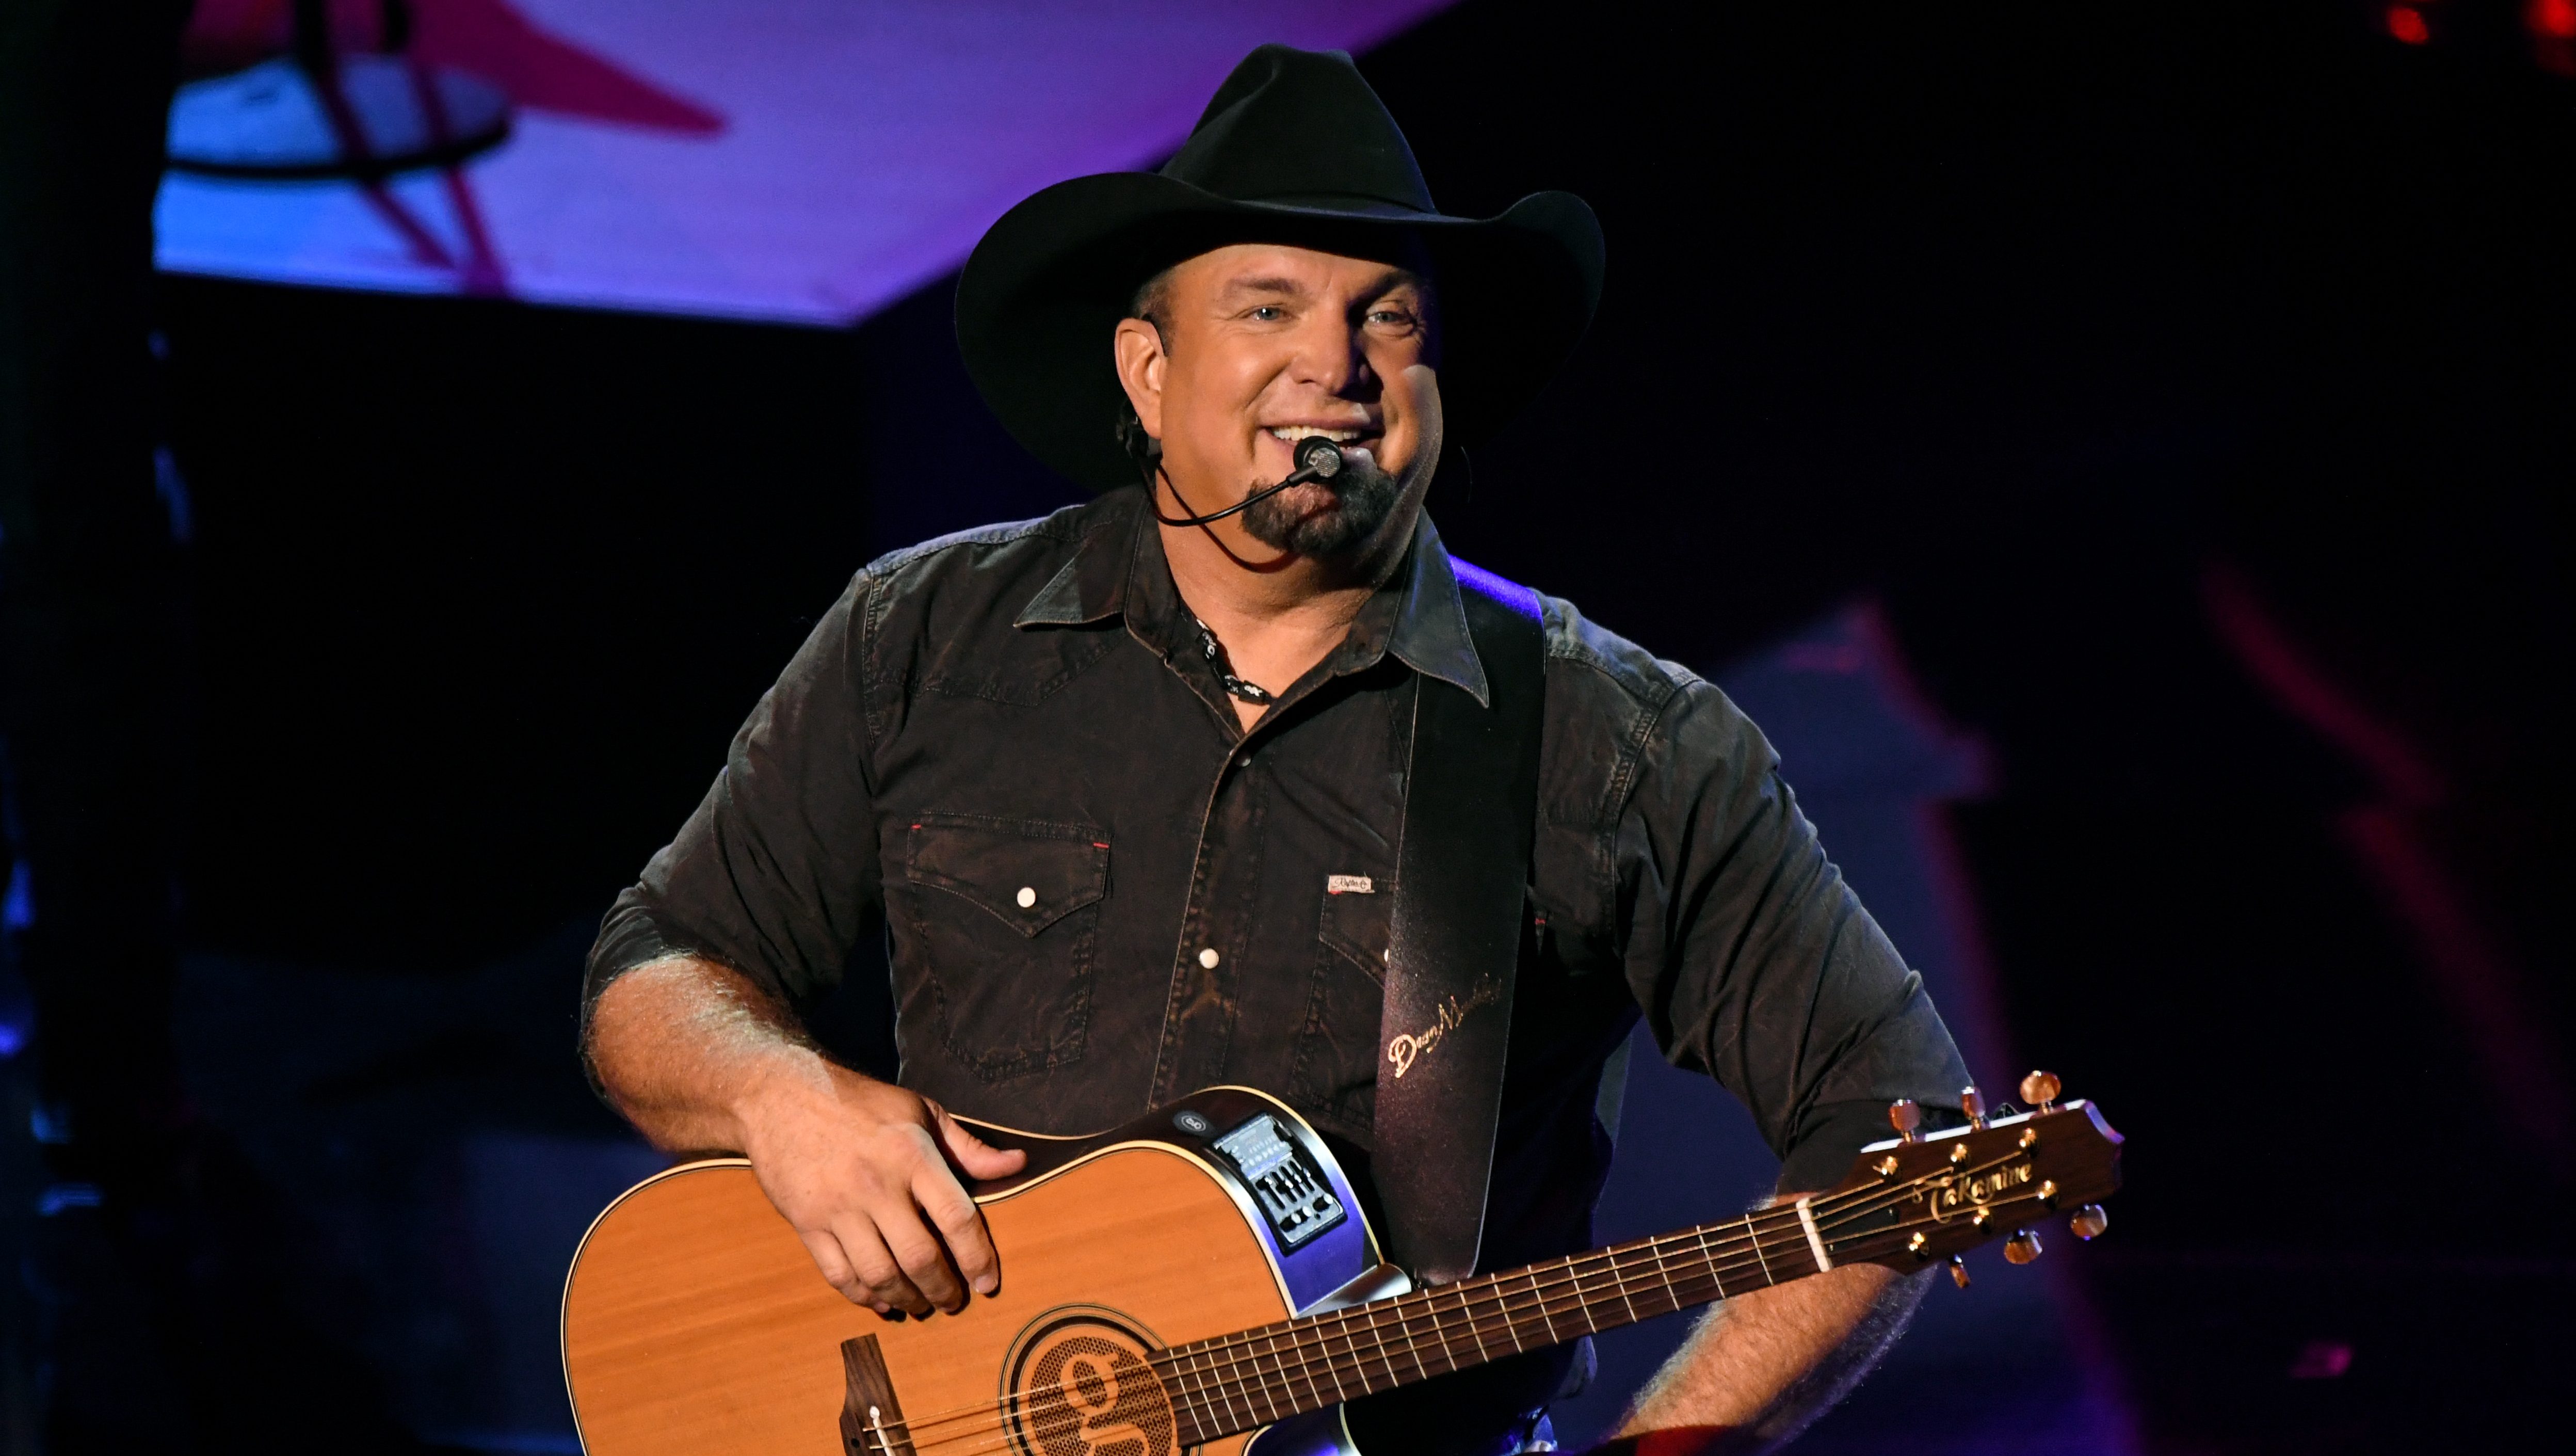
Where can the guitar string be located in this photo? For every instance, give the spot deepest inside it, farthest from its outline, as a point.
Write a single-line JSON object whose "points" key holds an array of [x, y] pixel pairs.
{"points": [[1199, 1410], [1884, 1195], [1616, 1263], [1887, 1196], [1204, 1401], [1496, 1293], [1490, 1294], [1212, 1377], [1781, 1230]]}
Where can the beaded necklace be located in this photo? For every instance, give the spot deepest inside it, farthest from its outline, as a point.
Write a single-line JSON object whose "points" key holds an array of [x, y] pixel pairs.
{"points": [[1247, 691]]}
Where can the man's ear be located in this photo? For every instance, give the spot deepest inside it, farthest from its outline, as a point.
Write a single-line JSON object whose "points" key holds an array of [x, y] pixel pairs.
{"points": [[1138, 352]]}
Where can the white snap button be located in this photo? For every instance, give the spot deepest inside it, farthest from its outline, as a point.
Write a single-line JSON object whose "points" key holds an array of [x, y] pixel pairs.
{"points": [[1208, 958], [1028, 897]]}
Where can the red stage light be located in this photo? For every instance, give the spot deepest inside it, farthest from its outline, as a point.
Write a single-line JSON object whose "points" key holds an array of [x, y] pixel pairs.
{"points": [[2407, 24], [2555, 19]]}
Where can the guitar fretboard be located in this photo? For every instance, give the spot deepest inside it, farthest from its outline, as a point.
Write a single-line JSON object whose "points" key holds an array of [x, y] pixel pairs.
{"points": [[1240, 1381]]}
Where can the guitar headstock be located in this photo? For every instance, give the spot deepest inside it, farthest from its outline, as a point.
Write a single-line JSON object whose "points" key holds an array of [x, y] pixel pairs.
{"points": [[1918, 1199]]}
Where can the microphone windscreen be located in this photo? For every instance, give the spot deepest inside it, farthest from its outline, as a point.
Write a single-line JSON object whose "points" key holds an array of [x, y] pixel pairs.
{"points": [[1320, 457]]}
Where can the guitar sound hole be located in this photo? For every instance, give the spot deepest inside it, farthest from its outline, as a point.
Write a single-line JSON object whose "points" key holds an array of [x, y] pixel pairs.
{"points": [[1081, 1386]]}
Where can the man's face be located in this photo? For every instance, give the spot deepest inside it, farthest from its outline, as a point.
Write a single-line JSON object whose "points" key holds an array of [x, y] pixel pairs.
{"points": [[1263, 344]]}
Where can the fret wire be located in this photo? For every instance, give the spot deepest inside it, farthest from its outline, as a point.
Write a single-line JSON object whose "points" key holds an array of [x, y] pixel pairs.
{"points": [[1359, 1356], [1323, 1342], [1235, 1369], [1660, 1272], [1422, 1299], [1229, 1397], [1701, 1235], [1378, 1336], [1187, 1399], [1284, 1377], [1621, 1285], [1473, 1333], [1212, 1391], [1431, 1309], [1181, 1356], [1532, 1276], [1757, 1251]]}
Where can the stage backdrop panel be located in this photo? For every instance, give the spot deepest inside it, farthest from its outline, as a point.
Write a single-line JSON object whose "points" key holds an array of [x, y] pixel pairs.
{"points": [[794, 160]]}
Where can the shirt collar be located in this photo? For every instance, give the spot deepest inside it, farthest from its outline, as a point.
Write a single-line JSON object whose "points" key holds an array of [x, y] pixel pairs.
{"points": [[1430, 633], [1112, 570], [1091, 586]]}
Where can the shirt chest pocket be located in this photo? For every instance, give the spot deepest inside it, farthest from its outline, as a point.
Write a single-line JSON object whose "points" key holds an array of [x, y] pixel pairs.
{"points": [[995, 923], [1336, 1066]]}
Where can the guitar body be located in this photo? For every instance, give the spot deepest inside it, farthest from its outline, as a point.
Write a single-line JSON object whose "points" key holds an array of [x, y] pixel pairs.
{"points": [[1177, 1283], [695, 1324]]}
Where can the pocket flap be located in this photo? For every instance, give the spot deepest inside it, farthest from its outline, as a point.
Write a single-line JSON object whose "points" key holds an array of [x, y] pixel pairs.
{"points": [[1024, 872], [1359, 924]]}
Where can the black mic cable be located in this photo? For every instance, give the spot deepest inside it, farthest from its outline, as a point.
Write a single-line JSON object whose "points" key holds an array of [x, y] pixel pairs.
{"points": [[1317, 459]]}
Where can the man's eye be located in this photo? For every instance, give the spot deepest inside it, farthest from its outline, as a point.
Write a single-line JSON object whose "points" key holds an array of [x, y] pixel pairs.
{"points": [[1396, 316], [1269, 313]]}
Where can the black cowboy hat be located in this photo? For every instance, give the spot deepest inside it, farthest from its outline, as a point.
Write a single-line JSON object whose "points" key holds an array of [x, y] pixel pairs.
{"points": [[1295, 148]]}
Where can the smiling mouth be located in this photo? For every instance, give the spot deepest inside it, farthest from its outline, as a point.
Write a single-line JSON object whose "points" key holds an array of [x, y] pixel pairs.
{"points": [[1294, 433]]}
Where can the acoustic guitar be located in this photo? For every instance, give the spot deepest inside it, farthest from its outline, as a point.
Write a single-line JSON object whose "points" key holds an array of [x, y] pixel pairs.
{"points": [[1201, 1279]]}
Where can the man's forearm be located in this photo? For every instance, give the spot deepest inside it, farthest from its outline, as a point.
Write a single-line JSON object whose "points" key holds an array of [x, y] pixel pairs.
{"points": [[1760, 1366], [680, 1045]]}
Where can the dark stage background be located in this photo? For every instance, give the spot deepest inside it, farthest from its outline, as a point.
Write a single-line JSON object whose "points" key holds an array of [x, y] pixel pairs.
{"points": [[2189, 387]]}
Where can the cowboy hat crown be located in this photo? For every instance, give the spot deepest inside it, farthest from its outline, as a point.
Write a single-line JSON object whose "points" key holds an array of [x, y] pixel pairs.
{"points": [[1294, 148]]}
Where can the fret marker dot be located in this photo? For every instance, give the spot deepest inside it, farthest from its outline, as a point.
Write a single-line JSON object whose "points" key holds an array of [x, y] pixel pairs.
{"points": [[1208, 958], [1028, 896]]}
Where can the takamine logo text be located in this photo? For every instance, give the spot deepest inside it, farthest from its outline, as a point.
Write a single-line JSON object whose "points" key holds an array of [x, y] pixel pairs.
{"points": [[1954, 1194]]}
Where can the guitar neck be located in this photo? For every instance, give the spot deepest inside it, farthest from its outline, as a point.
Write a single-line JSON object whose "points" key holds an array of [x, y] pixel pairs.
{"points": [[1903, 1205], [1241, 1381]]}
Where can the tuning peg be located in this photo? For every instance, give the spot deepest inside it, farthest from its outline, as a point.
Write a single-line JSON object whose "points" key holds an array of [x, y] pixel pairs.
{"points": [[2040, 1090], [1905, 1117], [1958, 1271], [1973, 1103], [2022, 1247], [2089, 1221]]}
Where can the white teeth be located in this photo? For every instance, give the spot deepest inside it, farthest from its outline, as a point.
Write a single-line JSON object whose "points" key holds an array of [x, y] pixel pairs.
{"points": [[1294, 433]]}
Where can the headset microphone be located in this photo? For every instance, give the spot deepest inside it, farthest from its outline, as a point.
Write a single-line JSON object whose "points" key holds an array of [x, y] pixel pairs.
{"points": [[1317, 459]]}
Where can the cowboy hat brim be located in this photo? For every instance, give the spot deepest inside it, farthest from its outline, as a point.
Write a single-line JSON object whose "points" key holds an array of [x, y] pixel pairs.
{"points": [[1043, 293]]}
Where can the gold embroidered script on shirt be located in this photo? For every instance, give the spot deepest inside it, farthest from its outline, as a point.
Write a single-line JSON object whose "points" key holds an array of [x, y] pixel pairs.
{"points": [[1409, 1045]]}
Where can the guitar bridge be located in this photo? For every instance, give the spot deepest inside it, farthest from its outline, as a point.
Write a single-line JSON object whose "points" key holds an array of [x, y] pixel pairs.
{"points": [[871, 1419], [1291, 1190]]}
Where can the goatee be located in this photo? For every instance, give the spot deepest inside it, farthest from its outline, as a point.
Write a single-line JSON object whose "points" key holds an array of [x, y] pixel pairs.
{"points": [[1364, 495]]}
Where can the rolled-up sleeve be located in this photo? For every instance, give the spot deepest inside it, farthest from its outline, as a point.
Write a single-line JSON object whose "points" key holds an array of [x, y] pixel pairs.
{"points": [[776, 872], [1751, 958]]}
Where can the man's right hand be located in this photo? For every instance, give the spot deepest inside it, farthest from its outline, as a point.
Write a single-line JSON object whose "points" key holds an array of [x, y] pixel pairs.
{"points": [[698, 1058], [869, 1175]]}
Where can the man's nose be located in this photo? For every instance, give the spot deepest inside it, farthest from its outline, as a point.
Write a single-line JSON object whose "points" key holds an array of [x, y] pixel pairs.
{"points": [[1330, 356]]}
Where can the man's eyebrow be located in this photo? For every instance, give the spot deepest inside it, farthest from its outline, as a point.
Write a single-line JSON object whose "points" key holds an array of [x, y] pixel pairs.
{"points": [[1288, 286]]}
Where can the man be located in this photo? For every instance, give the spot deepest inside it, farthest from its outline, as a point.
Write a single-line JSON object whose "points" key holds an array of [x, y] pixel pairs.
{"points": [[1129, 783]]}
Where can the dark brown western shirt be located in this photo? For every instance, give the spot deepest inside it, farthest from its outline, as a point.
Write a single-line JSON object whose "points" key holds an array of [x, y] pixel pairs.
{"points": [[1100, 892]]}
